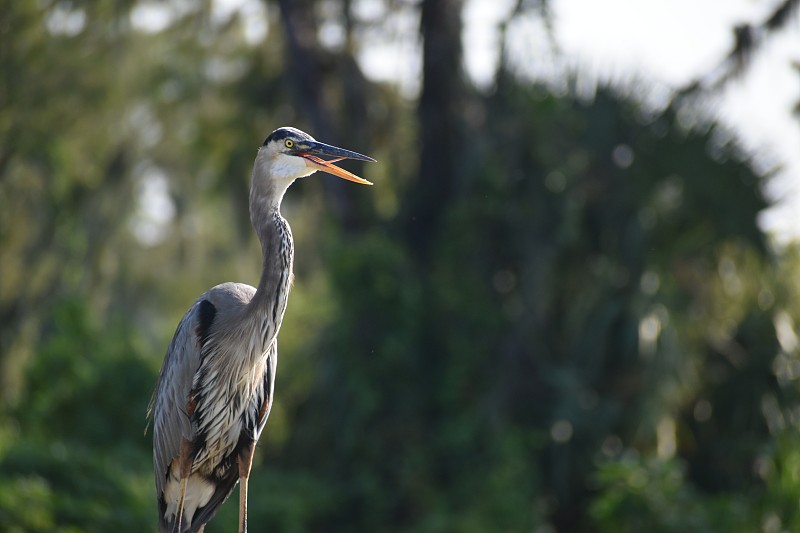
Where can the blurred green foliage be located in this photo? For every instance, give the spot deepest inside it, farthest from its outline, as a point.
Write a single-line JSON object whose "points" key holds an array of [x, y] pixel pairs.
{"points": [[564, 318]]}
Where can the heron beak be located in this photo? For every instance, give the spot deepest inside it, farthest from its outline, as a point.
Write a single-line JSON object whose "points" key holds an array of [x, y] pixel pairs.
{"points": [[315, 151]]}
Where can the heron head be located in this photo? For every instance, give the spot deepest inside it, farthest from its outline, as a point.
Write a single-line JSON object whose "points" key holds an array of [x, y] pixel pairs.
{"points": [[291, 154]]}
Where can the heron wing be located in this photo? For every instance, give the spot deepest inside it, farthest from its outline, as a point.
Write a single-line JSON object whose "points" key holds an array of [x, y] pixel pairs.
{"points": [[168, 405]]}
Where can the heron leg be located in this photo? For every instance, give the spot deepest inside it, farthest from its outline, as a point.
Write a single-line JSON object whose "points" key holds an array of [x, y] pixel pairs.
{"points": [[245, 461], [185, 469]]}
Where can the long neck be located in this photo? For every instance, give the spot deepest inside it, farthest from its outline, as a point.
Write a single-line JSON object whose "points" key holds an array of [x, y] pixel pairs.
{"points": [[277, 247], [277, 250]]}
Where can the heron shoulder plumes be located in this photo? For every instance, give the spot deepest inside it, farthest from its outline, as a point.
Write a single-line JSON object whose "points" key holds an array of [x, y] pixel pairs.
{"points": [[215, 389]]}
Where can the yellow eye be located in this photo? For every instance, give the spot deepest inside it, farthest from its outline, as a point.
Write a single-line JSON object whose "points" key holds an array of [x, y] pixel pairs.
{"points": [[289, 143]]}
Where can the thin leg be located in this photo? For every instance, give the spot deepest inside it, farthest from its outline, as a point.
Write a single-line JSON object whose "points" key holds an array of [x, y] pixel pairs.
{"points": [[245, 461], [243, 505], [185, 463]]}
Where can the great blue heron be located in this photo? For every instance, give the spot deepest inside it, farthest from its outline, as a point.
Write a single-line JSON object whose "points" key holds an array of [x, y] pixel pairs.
{"points": [[215, 388]]}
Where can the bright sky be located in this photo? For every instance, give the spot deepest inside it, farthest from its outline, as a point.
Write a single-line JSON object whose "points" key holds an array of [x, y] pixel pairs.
{"points": [[667, 43], [672, 43]]}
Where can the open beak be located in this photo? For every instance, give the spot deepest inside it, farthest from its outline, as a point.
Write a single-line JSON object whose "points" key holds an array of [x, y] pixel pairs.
{"points": [[314, 152]]}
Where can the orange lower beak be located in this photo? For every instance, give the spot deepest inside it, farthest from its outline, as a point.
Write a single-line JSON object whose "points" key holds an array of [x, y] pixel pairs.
{"points": [[329, 167]]}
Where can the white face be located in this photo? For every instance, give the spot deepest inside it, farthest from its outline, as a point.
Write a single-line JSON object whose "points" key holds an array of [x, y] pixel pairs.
{"points": [[278, 163], [290, 167], [281, 166], [277, 166]]}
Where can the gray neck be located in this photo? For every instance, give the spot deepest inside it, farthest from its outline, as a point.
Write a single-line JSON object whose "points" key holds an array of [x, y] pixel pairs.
{"points": [[277, 253], [277, 248]]}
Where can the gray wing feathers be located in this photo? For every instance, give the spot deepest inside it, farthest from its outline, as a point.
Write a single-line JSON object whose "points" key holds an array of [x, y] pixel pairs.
{"points": [[168, 405]]}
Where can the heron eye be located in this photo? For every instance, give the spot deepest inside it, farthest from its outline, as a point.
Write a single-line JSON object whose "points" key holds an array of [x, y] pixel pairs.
{"points": [[289, 143]]}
